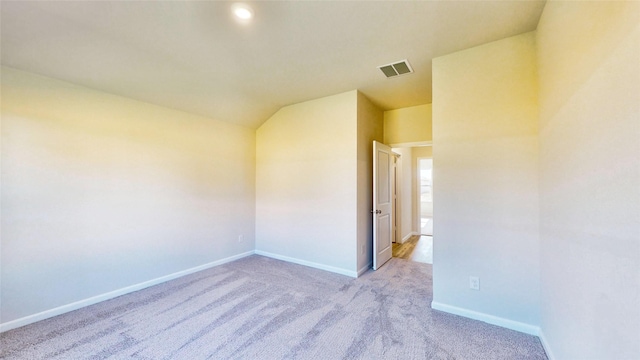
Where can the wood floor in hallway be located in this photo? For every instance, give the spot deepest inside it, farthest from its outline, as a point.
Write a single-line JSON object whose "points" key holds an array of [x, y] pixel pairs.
{"points": [[417, 248]]}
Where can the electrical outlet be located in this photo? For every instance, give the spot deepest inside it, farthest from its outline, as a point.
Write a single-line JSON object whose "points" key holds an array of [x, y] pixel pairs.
{"points": [[474, 282], [240, 238]]}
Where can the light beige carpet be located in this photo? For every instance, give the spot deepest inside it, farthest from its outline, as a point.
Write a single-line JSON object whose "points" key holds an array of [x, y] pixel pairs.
{"points": [[260, 308]]}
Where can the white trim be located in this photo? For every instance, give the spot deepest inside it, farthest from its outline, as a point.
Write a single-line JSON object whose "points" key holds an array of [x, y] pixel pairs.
{"points": [[546, 346], [397, 204], [494, 320], [333, 269], [112, 294], [365, 268], [412, 144]]}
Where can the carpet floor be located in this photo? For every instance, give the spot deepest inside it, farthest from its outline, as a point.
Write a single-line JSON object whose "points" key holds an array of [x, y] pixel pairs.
{"points": [[261, 308]]}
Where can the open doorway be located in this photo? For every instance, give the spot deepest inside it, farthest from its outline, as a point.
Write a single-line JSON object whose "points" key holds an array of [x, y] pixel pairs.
{"points": [[416, 186], [425, 196]]}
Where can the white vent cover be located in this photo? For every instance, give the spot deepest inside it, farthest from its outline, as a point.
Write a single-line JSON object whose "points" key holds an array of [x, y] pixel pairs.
{"points": [[398, 68]]}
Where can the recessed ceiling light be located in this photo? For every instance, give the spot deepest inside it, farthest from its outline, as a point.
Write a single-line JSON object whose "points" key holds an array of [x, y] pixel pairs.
{"points": [[242, 11]]}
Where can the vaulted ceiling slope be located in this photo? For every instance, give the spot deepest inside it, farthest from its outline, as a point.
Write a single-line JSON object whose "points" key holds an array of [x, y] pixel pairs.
{"points": [[193, 56]]}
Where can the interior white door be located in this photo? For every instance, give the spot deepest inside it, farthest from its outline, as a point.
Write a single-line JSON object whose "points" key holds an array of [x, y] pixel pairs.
{"points": [[382, 203]]}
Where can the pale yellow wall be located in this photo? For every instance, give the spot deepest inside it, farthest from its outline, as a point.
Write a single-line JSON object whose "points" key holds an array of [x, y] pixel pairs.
{"points": [[306, 183], [485, 154], [422, 152], [101, 192], [369, 129], [408, 125], [589, 75]]}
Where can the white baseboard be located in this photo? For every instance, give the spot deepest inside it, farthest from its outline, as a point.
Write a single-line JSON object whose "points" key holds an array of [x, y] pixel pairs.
{"points": [[333, 269], [365, 268], [490, 319], [546, 346], [112, 294]]}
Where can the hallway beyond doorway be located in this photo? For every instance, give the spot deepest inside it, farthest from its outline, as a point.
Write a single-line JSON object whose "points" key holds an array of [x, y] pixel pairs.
{"points": [[417, 248], [426, 225]]}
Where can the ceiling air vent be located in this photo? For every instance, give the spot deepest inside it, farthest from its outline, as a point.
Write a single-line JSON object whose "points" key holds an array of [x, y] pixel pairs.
{"points": [[396, 69]]}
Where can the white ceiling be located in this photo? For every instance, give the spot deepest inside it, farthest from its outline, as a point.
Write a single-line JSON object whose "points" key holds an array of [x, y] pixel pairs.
{"points": [[194, 56]]}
